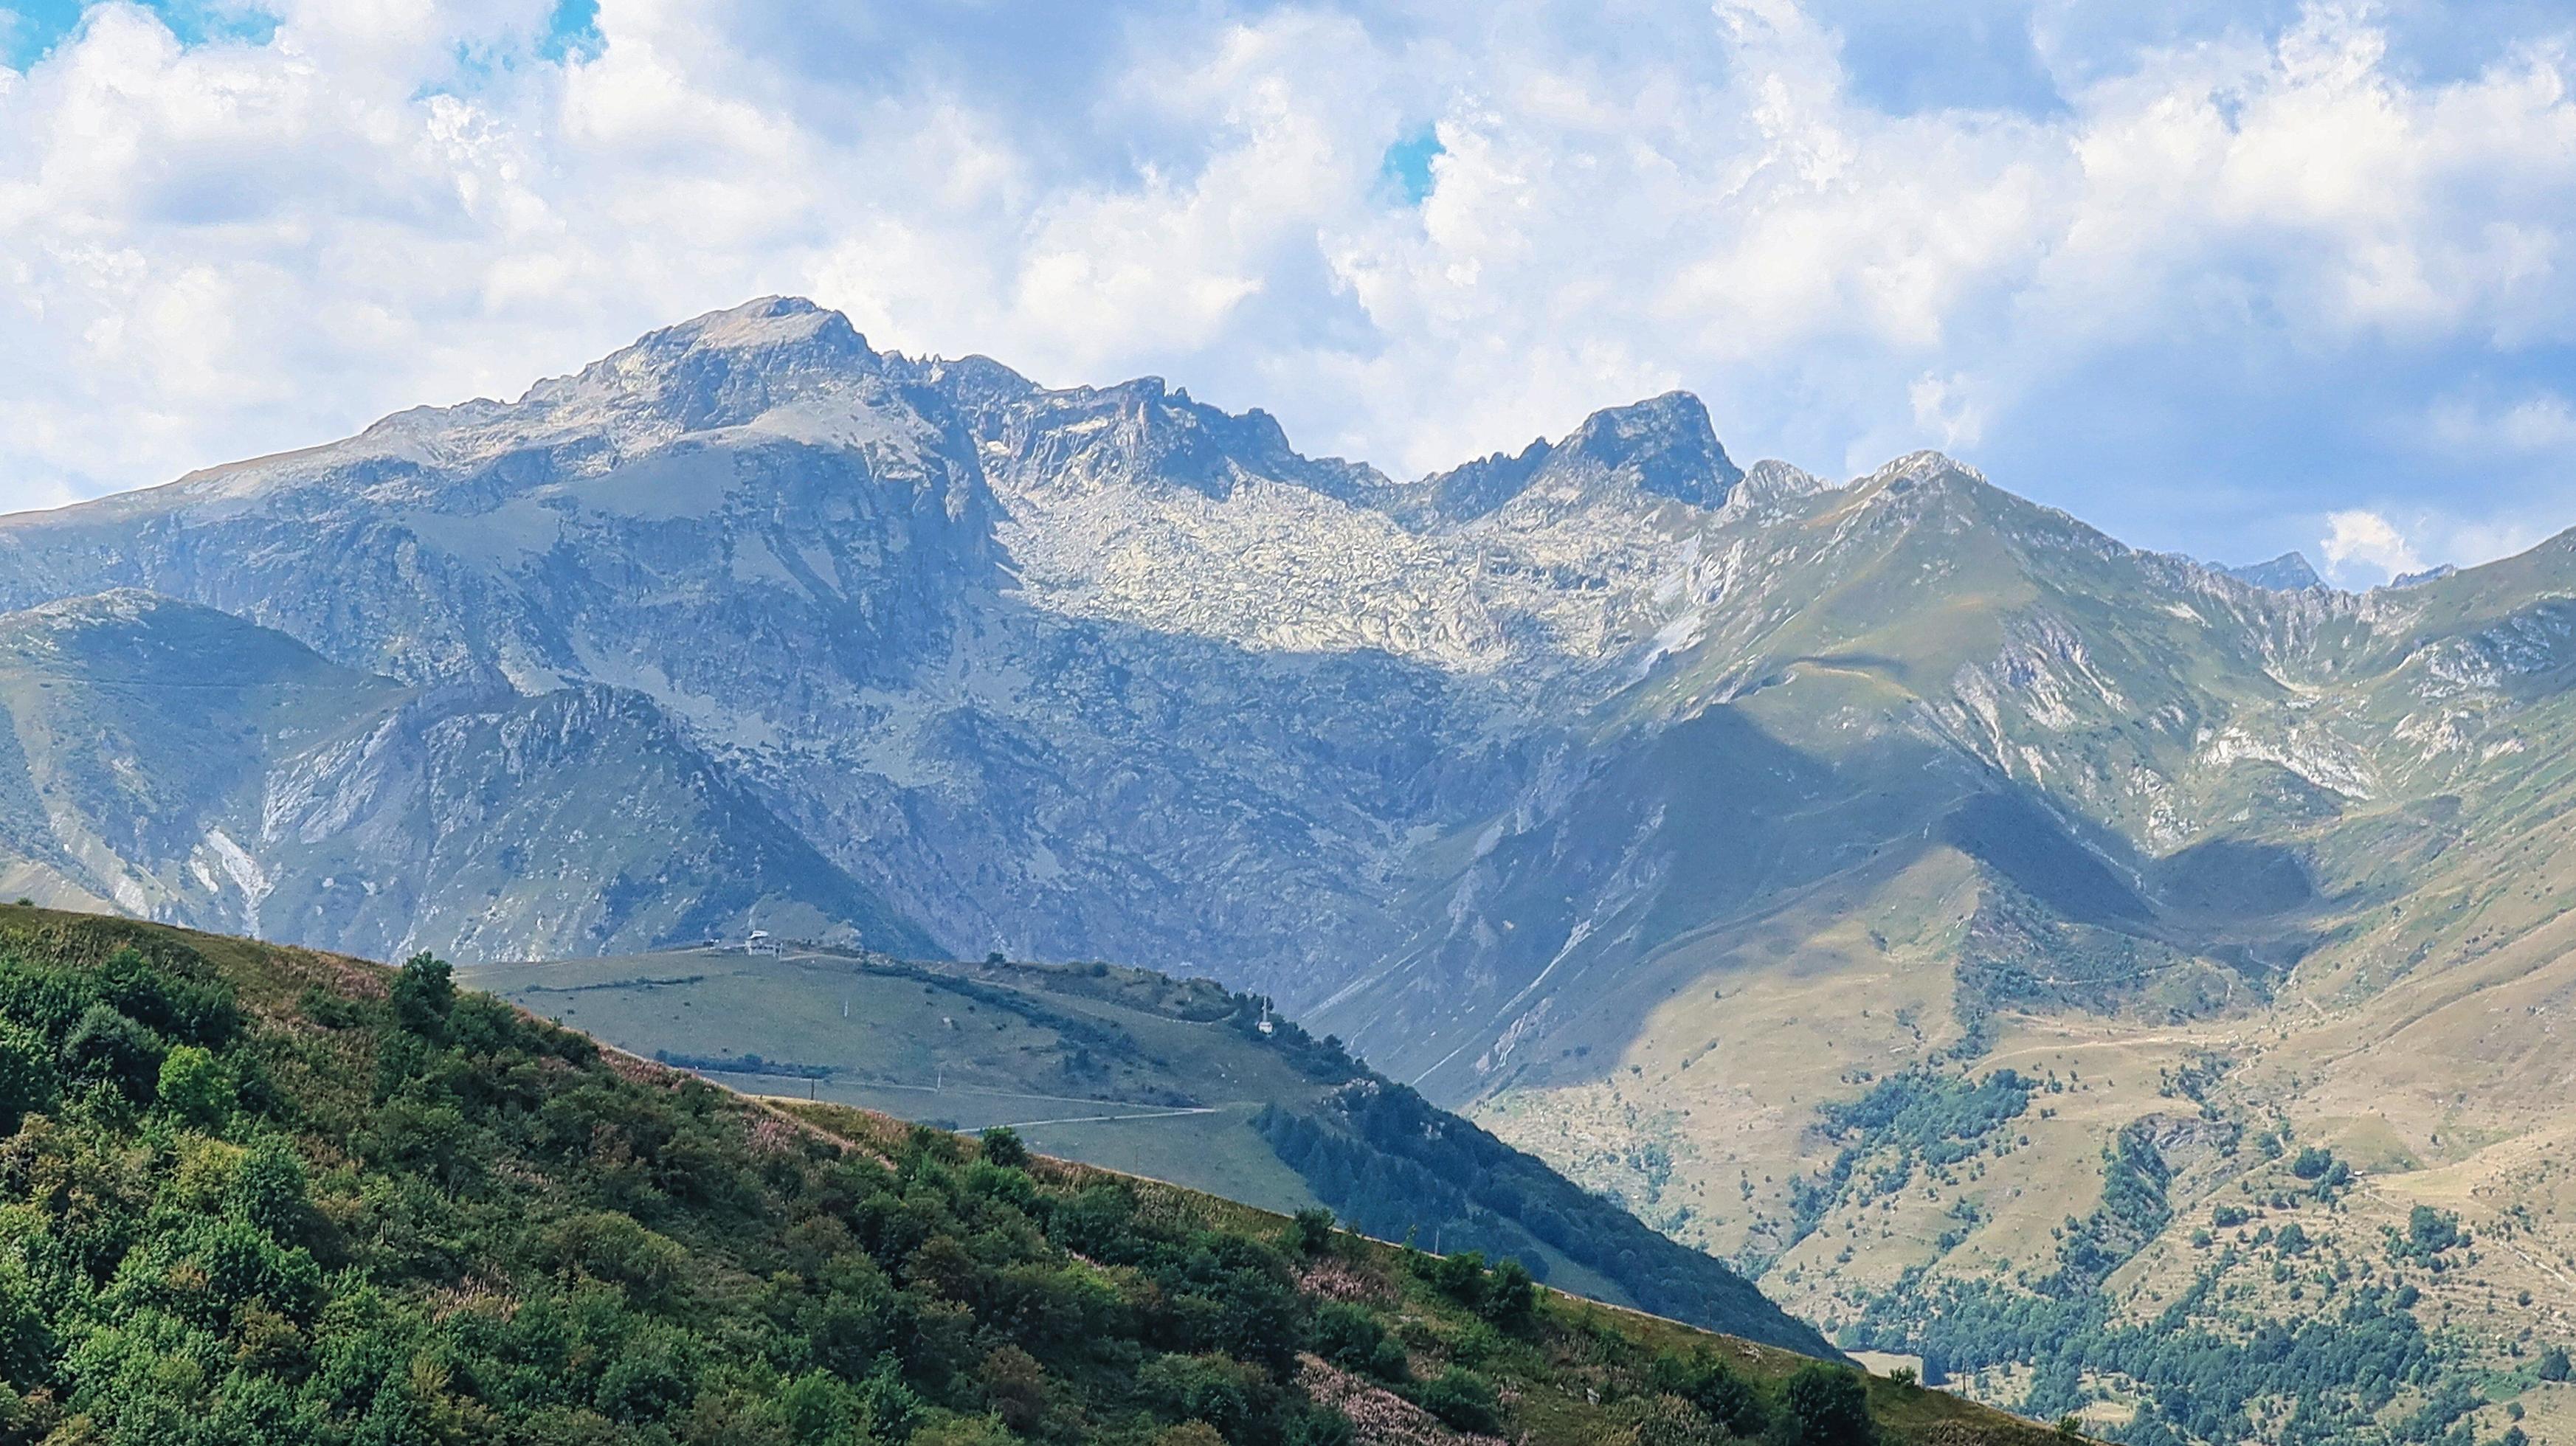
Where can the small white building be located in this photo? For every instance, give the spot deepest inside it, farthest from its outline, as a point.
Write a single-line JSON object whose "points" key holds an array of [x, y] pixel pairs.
{"points": [[761, 943]]}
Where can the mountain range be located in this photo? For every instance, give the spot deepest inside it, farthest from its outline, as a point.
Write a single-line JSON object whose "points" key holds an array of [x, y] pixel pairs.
{"points": [[1721, 834]]}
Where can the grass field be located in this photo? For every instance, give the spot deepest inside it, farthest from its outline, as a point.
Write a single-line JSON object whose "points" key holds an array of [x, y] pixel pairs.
{"points": [[1096, 1079]]}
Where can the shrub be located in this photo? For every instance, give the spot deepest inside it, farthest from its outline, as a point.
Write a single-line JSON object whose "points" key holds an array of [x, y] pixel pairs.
{"points": [[1666, 1421], [1462, 1399], [1209, 1388], [1350, 1337], [1710, 1385], [1827, 1406], [268, 1190]]}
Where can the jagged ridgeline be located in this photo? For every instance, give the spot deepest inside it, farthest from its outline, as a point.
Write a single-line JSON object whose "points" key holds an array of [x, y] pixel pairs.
{"points": [[261, 1195]]}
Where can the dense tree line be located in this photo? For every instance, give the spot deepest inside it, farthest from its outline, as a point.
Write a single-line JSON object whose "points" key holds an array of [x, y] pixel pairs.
{"points": [[2337, 1370], [1394, 1166], [1917, 1116]]}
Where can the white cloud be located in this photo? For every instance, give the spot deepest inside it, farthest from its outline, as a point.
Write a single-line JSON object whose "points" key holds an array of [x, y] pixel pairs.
{"points": [[2359, 538], [231, 248]]}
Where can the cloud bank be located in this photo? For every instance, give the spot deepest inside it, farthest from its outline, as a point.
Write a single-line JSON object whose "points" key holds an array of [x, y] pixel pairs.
{"points": [[2223, 287]]}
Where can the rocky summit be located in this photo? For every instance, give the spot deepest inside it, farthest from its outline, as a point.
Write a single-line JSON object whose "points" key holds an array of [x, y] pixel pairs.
{"points": [[1722, 834]]}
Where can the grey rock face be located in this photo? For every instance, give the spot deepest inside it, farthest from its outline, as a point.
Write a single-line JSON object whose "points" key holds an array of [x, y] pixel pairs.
{"points": [[178, 762]]}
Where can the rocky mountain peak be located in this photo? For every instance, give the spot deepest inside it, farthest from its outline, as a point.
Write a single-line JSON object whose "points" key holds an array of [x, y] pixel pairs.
{"points": [[1664, 445], [725, 368], [1145, 433]]}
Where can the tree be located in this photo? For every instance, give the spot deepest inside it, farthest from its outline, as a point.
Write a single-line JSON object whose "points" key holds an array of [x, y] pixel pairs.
{"points": [[194, 1087], [423, 993], [1310, 1232], [105, 1046], [269, 1189], [2430, 1231], [1003, 1147], [26, 1074], [1510, 1296], [1015, 1385], [2553, 1364], [1828, 1406]]}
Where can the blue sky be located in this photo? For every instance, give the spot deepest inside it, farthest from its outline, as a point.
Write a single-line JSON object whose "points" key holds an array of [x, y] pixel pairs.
{"points": [[2227, 278]]}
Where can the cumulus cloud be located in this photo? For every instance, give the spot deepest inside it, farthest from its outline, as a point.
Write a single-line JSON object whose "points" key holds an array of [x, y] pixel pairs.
{"points": [[2191, 284], [2359, 539]]}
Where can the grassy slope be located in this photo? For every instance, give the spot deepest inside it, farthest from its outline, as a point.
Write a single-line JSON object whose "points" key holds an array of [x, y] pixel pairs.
{"points": [[381, 1216], [904, 1037], [1118, 1067]]}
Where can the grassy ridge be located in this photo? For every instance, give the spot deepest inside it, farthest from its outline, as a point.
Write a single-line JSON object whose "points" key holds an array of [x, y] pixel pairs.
{"points": [[1124, 1067]]}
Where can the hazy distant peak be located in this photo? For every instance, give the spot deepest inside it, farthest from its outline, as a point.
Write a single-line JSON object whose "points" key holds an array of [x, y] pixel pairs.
{"points": [[129, 634], [2290, 572], [113, 605], [1772, 480], [1925, 465]]}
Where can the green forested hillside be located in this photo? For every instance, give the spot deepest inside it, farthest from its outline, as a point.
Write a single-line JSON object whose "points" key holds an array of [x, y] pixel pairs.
{"points": [[252, 1194]]}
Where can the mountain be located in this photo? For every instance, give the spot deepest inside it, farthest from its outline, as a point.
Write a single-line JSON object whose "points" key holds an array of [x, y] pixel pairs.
{"points": [[2289, 572], [167, 759], [266, 1195], [1948, 914], [1180, 1080]]}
